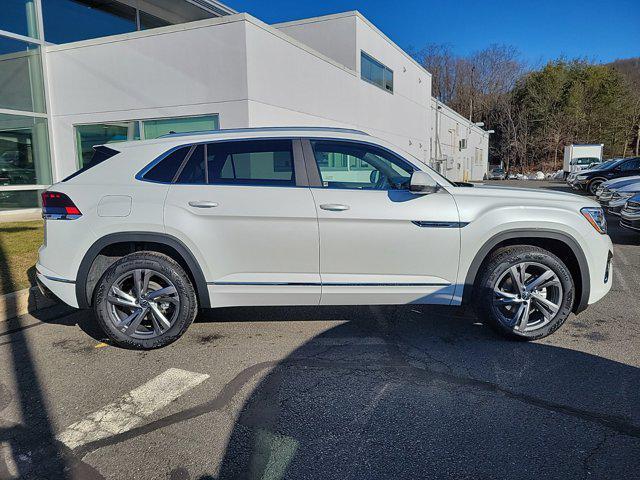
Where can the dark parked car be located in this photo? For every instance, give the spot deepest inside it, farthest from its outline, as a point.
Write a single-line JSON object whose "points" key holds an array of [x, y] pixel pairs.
{"points": [[497, 174], [630, 214], [592, 179]]}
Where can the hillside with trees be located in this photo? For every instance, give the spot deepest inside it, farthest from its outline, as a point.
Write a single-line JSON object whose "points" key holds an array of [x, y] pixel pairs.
{"points": [[536, 112]]}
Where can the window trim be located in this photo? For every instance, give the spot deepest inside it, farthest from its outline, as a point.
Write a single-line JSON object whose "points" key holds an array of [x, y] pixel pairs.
{"points": [[313, 170], [384, 68], [299, 164]]}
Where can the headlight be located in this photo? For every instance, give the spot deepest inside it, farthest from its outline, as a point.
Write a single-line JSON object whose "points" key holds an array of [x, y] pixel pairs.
{"points": [[618, 196], [595, 216], [581, 177]]}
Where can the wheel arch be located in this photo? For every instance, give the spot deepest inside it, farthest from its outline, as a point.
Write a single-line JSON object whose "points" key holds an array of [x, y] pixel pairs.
{"points": [[576, 262], [85, 283]]}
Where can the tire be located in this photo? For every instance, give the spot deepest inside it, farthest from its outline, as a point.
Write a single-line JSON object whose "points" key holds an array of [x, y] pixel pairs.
{"points": [[155, 314], [499, 300], [593, 186]]}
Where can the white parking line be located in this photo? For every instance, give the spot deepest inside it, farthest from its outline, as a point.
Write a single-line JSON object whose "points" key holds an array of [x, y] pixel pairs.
{"points": [[131, 409]]}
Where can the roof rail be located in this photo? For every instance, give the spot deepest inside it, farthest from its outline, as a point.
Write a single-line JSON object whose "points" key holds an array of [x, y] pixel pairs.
{"points": [[265, 129]]}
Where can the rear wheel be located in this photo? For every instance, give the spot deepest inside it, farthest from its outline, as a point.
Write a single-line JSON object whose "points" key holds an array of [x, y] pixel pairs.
{"points": [[525, 292], [145, 300]]}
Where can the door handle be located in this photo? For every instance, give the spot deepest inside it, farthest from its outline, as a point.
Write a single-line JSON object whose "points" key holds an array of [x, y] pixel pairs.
{"points": [[202, 204], [334, 207]]}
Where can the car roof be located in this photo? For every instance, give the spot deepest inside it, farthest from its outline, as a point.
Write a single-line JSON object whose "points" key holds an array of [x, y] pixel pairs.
{"points": [[247, 133]]}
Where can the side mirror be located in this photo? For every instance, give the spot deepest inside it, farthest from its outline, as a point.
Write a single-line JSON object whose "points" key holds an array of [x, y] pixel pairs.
{"points": [[421, 183]]}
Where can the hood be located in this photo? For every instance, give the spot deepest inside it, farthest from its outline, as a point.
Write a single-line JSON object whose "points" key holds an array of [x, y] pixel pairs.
{"points": [[629, 187], [620, 182], [522, 196]]}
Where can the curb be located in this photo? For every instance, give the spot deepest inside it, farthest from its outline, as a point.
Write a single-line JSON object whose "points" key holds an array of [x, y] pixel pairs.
{"points": [[22, 302]]}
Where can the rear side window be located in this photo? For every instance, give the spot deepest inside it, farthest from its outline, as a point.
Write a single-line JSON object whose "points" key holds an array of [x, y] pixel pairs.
{"points": [[253, 162], [165, 170], [100, 154]]}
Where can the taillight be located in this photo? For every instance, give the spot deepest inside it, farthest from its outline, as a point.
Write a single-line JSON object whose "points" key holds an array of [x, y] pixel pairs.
{"points": [[58, 206]]}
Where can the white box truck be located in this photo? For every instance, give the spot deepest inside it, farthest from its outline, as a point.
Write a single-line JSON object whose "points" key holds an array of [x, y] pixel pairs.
{"points": [[578, 157]]}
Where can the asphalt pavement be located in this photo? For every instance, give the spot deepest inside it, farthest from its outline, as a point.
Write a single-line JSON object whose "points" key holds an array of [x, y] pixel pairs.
{"points": [[333, 392]]}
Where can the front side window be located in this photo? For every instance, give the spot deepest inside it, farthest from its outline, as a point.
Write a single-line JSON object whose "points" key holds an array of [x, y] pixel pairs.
{"points": [[350, 165], [630, 165], [375, 72]]}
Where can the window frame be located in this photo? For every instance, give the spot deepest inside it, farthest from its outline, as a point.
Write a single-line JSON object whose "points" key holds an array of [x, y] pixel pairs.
{"points": [[385, 70], [313, 170], [299, 165]]}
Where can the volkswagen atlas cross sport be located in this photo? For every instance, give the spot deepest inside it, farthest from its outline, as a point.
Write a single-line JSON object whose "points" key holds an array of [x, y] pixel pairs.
{"points": [[152, 231]]}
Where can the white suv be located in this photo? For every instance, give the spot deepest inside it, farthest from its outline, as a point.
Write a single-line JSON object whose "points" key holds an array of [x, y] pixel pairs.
{"points": [[151, 231]]}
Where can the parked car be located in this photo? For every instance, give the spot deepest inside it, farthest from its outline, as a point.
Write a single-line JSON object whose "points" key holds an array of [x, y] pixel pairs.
{"points": [[571, 178], [620, 196], [497, 174], [605, 190], [269, 216], [630, 214], [592, 179]]}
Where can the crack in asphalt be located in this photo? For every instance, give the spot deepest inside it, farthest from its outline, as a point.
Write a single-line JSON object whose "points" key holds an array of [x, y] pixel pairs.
{"points": [[619, 424]]}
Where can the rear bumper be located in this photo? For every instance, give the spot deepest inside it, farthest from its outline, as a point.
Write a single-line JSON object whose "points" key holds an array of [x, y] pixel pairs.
{"points": [[52, 284]]}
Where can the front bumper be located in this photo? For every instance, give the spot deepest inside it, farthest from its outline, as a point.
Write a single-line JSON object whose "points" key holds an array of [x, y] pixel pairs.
{"points": [[630, 221]]}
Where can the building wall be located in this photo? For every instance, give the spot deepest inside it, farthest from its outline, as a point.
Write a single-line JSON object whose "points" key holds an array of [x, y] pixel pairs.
{"points": [[251, 74], [180, 70], [448, 128]]}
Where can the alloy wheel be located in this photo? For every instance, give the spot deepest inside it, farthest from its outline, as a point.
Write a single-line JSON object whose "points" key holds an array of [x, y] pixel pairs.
{"points": [[143, 303], [527, 296]]}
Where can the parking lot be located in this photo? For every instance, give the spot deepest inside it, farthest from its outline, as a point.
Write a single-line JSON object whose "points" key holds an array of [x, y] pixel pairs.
{"points": [[337, 392]]}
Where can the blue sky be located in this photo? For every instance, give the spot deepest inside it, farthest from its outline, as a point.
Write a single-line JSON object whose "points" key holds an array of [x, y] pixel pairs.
{"points": [[600, 30]]}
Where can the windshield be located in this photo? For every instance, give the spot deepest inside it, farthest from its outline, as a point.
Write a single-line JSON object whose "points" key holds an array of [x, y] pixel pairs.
{"points": [[606, 164], [585, 160], [498, 170]]}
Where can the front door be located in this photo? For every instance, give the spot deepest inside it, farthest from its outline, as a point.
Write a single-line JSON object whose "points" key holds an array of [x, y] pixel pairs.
{"points": [[380, 243], [246, 210]]}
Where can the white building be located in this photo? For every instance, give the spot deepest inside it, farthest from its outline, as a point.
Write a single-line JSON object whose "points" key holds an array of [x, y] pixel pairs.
{"points": [[185, 65]]}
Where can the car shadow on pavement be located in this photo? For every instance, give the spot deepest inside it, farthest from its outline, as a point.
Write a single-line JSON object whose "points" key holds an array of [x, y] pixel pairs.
{"points": [[429, 392]]}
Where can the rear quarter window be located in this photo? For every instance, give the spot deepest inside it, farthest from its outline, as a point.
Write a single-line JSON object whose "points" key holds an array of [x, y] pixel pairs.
{"points": [[165, 170]]}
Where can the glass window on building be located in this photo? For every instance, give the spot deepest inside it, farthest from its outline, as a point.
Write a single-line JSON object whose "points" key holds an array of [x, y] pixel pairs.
{"points": [[148, 21], [74, 20], [21, 84], [102, 133], [163, 126], [24, 151], [19, 16], [15, 200], [375, 72], [87, 136]]}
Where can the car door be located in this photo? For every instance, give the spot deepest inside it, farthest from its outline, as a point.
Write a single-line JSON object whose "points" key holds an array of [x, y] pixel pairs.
{"points": [[629, 168], [380, 243], [245, 207]]}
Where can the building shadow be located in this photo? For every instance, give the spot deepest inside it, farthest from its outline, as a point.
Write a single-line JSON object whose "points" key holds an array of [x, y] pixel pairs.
{"points": [[28, 447], [399, 392]]}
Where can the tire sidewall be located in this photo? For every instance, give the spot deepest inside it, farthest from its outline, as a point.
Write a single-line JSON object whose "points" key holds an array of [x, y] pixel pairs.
{"points": [[161, 264], [505, 260]]}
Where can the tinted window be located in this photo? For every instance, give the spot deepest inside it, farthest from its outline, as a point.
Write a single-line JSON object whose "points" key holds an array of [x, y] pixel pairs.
{"points": [[357, 166], [194, 171], [100, 154], [261, 162], [630, 165], [166, 169]]}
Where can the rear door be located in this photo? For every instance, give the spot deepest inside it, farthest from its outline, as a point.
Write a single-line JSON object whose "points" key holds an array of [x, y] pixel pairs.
{"points": [[380, 243], [245, 207]]}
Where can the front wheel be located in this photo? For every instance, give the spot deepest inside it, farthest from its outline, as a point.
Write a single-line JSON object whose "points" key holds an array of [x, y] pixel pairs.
{"points": [[525, 292], [592, 188], [144, 300]]}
